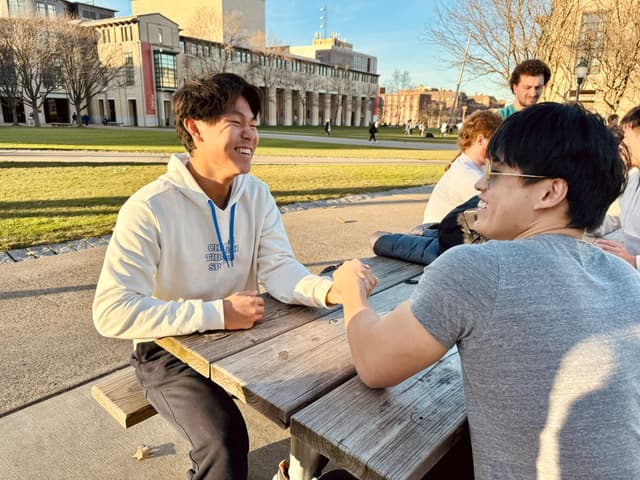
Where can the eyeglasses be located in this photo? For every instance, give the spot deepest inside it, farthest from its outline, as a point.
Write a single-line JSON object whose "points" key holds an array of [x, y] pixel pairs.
{"points": [[488, 173]]}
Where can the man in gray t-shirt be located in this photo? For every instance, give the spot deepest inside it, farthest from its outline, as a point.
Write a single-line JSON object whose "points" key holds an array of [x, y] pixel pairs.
{"points": [[547, 325]]}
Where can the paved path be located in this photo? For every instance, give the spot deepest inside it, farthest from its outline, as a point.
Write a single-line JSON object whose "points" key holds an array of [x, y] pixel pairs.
{"points": [[418, 145], [57, 156]]}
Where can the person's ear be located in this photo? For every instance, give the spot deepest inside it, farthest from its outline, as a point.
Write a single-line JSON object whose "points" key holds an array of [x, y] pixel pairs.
{"points": [[192, 127], [480, 140], [553, 192]]}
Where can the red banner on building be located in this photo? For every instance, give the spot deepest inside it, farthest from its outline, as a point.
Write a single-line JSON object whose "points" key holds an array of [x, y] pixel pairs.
{"points": [[147, 76]]}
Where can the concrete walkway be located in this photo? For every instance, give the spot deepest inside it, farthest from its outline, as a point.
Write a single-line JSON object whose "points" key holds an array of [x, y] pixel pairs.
{"points": [[50, 428]]}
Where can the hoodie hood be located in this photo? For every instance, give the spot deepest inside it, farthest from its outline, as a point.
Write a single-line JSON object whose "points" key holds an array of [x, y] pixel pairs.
{"points": [[180, 178]]}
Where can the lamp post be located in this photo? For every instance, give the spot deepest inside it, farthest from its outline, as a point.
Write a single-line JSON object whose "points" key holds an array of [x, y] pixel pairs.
{"points": [[581, 72]]}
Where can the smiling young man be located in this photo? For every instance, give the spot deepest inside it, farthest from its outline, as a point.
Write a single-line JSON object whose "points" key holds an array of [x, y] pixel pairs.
{"points": [[527, 83], [546, 324], [187, 254]]}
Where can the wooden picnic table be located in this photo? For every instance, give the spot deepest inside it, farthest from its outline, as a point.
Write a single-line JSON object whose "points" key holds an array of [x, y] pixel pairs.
{"points": [[297, 359]]}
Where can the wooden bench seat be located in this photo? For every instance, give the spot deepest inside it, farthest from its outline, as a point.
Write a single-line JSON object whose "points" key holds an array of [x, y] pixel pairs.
{"points": [[122, 397]]}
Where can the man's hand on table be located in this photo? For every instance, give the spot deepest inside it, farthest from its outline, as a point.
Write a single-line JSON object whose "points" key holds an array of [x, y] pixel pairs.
{"points": [[242, 310]]}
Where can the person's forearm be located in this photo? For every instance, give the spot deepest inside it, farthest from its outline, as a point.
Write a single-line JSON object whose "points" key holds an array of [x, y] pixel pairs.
{"points": [[354, 301]]}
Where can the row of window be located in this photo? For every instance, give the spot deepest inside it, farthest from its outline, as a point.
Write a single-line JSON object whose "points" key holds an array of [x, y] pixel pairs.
{"points": [[18, 8], [110, 34], [294, 65]]}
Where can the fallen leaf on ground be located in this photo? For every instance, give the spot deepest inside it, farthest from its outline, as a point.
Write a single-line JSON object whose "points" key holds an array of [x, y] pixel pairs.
{"points": [[142, 453]]}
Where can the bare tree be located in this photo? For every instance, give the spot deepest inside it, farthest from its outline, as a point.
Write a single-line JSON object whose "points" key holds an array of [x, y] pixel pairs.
{"points": [[304, 82], [34, 48], [612, 48], [9, 87], [84, 73], [503, 33], [215, 41], [400, 81], [506, 32], [268, 68], [342, 84]]}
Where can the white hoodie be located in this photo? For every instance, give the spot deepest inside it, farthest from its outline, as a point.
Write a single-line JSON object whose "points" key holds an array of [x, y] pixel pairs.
{"points": [[164, 273]]}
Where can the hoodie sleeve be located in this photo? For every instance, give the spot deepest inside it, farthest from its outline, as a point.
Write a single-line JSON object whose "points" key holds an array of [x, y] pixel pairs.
{"points": [[124, 305], [281, 274]]}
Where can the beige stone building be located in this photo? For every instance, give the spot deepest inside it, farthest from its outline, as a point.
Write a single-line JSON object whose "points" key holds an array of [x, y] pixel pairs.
{"points": [[604, 34], [209, 19], [330, 82]]}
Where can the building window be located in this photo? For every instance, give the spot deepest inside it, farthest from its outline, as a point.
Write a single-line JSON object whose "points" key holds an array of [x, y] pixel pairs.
{"points": [[129, 72], [16, 8], [205, 50], [181, 44], [591, 39], [53, 77], [46, 9], [165, 70], [194, 49]]}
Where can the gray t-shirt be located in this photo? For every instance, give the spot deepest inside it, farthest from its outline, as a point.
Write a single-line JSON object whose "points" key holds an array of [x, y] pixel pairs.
{"points": [[548, 331]]}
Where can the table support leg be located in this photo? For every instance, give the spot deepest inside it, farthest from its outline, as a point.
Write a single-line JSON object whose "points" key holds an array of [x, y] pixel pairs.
{"points": [[304, 462]]}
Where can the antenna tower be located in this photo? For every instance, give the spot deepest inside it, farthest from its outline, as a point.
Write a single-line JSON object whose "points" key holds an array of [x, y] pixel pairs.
{"points": [[323, 20]]}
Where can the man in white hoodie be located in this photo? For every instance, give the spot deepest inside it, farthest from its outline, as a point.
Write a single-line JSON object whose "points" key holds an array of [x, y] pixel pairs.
{"points": [[187, 254]]}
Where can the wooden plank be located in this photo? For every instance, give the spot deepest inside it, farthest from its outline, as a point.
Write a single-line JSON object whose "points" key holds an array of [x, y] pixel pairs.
{"points": [[201, 350], [395, 433], [284, 374], [123, 398]]}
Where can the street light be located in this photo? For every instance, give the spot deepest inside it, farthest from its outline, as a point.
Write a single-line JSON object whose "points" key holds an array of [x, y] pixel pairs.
{"points": [[581, 72]]}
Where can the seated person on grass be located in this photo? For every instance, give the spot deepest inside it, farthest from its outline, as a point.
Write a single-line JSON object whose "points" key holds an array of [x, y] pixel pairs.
{"points": [[187, 254], [629, 218], [546, 324]]}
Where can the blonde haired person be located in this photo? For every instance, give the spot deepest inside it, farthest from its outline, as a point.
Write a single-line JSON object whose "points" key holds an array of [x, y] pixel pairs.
{"points": [[457, 184]]}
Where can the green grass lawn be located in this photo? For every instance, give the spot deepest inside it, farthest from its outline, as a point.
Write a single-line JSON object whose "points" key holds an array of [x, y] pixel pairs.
{"points": [[49, 203], [165, 140], [384, 133]]}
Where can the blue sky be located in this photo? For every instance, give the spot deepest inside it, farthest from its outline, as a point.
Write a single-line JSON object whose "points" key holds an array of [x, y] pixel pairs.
{"points": [[392, 31]]}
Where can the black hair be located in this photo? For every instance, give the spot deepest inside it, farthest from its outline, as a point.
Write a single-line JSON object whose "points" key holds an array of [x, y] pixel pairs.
{"points": [[564, 141], [532, 68], [207, 98], [631, 118]]}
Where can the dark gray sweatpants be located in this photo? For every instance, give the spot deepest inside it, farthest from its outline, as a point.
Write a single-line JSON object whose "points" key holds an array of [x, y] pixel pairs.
{"points": [[199, 409]]}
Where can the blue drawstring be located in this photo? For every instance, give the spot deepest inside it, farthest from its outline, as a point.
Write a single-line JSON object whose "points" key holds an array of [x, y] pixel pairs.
{"points": [[231, 244]]}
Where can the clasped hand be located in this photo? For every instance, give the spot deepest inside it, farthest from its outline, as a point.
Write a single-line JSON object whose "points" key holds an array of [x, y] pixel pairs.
{"points": [[351, 277]]}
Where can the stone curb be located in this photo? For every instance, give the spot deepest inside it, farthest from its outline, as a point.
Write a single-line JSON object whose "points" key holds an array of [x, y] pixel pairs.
{"points": [[31, 253]]}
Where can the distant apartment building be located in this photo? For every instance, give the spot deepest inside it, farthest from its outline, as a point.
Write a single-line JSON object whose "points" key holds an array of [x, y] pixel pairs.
{"points": [[155, 57], [430, 106]]}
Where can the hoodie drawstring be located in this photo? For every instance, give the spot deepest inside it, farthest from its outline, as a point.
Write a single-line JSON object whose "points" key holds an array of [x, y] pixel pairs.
{"points": [[231, 244]]}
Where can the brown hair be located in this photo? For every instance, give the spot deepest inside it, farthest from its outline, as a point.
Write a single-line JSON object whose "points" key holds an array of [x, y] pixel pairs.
{"points": [[207, 98], [532, 68], [480, 122]]}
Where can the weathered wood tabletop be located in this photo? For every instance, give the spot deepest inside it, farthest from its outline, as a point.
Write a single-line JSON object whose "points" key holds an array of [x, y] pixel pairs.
{"points": [[292, 358]]}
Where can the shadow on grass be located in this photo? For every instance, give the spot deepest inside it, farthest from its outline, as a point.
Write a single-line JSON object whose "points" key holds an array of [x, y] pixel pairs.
{"points": [[80, 206]]}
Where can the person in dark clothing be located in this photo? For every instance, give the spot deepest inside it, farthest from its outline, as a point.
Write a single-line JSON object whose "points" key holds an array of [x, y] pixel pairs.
{"points": [[327, 127], [373, 129]]}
